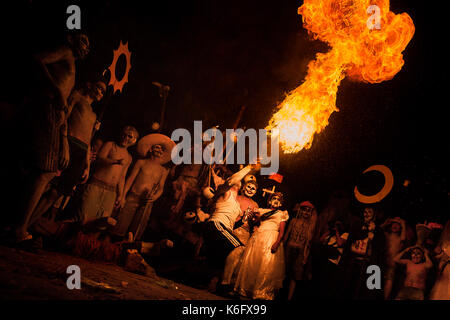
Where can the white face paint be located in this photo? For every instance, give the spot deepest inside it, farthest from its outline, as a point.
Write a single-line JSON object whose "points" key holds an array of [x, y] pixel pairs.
{"points": [[249, 190], [275, 202], [368, 215], [416, 256]]}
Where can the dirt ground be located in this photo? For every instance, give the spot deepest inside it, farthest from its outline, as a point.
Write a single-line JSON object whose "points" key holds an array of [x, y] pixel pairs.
{"points": [[42, 276]]}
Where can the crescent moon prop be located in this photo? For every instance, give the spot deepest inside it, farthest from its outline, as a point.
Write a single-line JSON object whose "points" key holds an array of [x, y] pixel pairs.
{"points": [[122, 49], [388, 184]]}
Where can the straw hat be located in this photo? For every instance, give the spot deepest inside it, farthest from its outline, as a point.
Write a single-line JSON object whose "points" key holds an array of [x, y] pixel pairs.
{"points": [[145, 144]]}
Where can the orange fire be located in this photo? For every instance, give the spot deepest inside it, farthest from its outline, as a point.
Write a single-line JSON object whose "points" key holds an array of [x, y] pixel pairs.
{"points": [[360, 49]]}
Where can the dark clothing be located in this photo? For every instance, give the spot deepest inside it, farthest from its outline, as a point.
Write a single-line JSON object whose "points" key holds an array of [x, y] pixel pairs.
{"points": [[219, 242], [355, 266]]}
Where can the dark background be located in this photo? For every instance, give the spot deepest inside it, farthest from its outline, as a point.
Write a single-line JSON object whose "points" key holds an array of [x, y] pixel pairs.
{"points": [[219, 55]]}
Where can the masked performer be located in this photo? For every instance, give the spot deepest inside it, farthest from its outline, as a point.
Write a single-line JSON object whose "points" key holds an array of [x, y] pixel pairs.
{"points": [[105, 187], [262, 268], [218, 232], [298, 242], [144, 185], [242, 231], [48, 126], [367, 247]]}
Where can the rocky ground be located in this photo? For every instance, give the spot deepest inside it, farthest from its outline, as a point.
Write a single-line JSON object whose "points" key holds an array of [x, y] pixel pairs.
{"points": [[43, 275]]}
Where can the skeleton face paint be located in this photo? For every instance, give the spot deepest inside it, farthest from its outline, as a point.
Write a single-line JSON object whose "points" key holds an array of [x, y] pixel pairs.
{"points": [[368, 215], [249, 190], [157, 151], [128, 138], [306, 212], [416, 255], [275, 202]]}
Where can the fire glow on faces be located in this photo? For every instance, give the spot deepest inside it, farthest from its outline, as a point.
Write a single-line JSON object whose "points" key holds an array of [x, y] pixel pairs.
{"points": [[249, 189], [275, 202], [157, 150]]}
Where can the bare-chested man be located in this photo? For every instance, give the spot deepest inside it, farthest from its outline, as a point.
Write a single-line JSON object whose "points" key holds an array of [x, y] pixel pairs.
{"points": [[395, 232], [48, 132], [417, 268], [81, 121], [144, 185], [105, 187]]}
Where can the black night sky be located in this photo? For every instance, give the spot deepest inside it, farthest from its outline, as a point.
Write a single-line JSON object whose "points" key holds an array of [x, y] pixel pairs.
{"points": [[219, 55]]}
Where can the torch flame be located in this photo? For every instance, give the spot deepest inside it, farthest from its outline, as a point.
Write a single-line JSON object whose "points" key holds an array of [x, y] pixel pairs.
{"points": [[361, 53]]}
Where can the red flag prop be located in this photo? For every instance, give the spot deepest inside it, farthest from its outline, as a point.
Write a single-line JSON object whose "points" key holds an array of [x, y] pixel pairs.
{"points": [[276, 177]]}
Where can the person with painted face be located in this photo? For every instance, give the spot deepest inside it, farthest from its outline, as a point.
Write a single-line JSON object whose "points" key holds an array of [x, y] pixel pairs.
{"points": [[242, 228], [262, 268], [220, 239], [367, 246], [298, 243], [144, 185], [417, 268], [105, 187]]}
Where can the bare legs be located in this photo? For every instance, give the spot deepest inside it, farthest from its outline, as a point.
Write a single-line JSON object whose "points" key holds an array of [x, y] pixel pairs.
{"points": [[44, 204], [38, 185]]}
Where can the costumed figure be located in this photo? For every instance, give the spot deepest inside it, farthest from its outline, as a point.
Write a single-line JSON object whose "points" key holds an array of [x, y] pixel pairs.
{"points": [[367, 247], [144, 185], [297, 240], [219, 239], [262, 268], [243, 229]]}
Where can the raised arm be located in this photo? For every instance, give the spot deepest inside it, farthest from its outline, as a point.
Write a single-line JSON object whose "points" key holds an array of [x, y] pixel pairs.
{"points": [[428, 262], [403, 233], [238, 176], [398, 257]]}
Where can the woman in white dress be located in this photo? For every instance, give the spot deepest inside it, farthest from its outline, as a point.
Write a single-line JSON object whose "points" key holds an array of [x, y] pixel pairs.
{"points": [[262, 268]]}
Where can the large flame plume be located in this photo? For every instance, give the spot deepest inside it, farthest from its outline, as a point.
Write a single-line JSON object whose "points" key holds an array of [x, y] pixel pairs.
{"points": [[359, 50]]}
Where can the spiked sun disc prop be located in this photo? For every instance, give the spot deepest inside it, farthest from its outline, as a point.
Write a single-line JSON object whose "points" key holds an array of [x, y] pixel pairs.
{"points": [[118, 85], [388, 184]]}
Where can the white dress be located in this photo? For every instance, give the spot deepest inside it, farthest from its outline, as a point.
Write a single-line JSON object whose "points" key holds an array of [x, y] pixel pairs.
{"points": [[261, 272]]}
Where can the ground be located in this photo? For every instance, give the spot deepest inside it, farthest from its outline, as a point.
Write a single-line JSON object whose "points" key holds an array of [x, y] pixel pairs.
{"points": [[43, 275]]}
